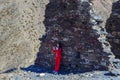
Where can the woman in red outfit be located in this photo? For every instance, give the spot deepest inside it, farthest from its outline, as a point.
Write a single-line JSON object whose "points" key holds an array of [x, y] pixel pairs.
{"points": [[58, 55]]}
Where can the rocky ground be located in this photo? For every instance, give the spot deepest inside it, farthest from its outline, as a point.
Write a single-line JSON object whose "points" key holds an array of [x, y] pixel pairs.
{"points": [[29, 75]]}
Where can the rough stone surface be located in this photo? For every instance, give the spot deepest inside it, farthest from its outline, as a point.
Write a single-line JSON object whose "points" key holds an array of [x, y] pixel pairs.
{"points": [[20, 29], [70, 24], [113, 29]]}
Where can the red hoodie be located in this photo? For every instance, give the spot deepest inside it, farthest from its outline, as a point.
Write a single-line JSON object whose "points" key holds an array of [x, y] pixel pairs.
{"points": [[58, 52]]}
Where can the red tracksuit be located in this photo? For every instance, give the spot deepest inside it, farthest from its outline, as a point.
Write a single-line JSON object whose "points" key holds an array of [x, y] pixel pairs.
{"points": [[58, 57]]}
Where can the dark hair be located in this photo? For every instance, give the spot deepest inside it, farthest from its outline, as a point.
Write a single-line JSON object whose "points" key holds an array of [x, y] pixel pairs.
{"points": [[60, 44]]}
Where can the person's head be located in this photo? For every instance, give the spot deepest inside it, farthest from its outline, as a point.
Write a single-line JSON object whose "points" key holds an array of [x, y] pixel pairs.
{"points": [[58, 45]]}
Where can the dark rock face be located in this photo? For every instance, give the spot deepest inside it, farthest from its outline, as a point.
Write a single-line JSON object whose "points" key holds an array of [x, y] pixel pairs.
{"points": [[68, 22], [113, 28]]}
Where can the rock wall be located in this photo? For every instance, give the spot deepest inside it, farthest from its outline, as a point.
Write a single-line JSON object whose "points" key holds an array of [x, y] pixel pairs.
{"points": [[107, 9], [113, 29], [21, 27], [70, 24]]}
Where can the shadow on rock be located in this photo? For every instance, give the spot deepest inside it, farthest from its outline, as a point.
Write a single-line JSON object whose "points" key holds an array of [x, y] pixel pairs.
{"points": [[36, 69], [10, 70]]}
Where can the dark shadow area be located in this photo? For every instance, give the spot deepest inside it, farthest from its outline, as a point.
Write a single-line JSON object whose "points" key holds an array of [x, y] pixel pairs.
{"points": [[38, 69], [113, 28], [109, 74], [10, 70]]}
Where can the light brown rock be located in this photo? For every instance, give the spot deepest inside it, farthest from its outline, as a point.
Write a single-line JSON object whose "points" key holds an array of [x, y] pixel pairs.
{"points": [[21, 27]]}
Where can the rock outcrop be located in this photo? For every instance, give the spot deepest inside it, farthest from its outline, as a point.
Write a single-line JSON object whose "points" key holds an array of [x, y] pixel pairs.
{"points": [[21, 26], [113, 29], [74, 24]]}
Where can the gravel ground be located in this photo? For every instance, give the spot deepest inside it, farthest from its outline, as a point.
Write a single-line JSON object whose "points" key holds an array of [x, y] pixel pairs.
{"points": [[30, 75]]}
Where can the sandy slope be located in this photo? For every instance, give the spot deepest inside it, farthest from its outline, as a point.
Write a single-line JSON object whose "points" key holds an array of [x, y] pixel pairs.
{"points": [[20, 29]]}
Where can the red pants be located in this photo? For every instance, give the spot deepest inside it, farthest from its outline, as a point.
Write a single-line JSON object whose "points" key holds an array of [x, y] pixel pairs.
{"points": [[57, 64]]}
